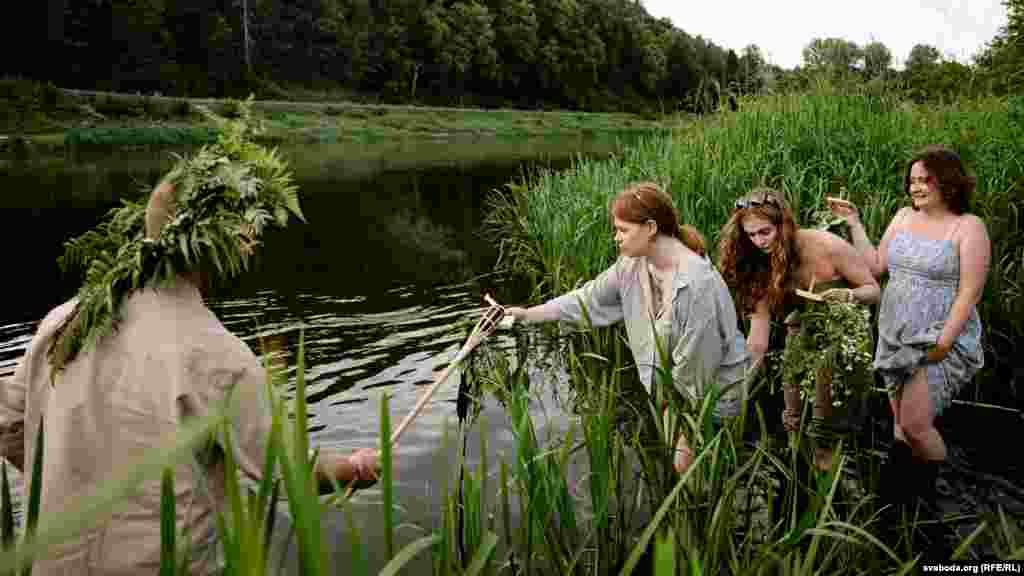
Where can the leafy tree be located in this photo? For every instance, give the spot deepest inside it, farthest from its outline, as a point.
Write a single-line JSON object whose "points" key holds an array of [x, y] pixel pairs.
{"points": [[877, 59], [1002, 61], [921, 57], [835, 54], [752, 67], [462, 36], [517, 40]]}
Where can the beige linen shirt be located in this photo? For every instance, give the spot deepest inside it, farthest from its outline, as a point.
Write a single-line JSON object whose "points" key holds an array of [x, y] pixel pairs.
{"points": [[169, 359], [698, 325]]}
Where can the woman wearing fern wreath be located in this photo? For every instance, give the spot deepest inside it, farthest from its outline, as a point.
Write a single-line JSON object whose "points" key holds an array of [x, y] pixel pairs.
{"points": [[663, 284], [114, 373], [937, 257], [765, 257]]}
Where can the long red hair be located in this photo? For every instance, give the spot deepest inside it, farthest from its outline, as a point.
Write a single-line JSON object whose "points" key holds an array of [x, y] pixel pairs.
{"points": [[751, 274], [645, 201]]}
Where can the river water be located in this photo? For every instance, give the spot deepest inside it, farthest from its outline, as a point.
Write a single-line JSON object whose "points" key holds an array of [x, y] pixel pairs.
{"points": [[382, 281]]}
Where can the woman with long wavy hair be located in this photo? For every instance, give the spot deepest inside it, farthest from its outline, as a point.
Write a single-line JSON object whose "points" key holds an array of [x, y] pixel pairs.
{"points": [[765, 257]]}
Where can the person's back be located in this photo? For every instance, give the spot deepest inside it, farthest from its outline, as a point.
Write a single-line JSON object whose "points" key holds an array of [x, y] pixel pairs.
{"points": [[109, 399], [120, 401]]}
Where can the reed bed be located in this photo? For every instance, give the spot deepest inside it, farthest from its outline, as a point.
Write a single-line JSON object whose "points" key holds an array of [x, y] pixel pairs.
{"points": [[737, 510], [748, 504], [554, 228]]}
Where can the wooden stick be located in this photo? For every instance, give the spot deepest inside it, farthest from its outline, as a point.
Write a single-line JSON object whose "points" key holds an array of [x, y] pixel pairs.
{"points": [[809, 293], [483, 328]]}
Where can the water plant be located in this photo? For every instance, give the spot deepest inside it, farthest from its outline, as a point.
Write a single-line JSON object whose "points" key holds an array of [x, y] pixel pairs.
{"points": [[554, 229]]}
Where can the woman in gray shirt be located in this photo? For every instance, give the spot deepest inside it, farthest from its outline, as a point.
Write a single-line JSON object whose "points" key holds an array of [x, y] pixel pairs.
{"points": [[664, 284]]}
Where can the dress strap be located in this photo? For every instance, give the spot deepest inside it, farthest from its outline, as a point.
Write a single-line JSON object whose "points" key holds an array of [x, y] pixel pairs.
{"points": [[903, 216]]}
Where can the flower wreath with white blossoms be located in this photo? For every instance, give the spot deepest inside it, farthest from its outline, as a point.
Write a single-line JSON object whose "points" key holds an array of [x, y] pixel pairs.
{"points": [[833, 335], [226, 195]]}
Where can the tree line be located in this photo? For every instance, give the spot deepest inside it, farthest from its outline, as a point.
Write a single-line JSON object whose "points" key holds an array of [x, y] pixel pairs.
{"points": [[599, 55], [927, 75], [577, 54]]}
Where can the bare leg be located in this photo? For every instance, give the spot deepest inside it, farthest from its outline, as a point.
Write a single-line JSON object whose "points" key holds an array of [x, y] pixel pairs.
{"points": [[791, 413], [897, 430], [684, 455], [916, 417]]}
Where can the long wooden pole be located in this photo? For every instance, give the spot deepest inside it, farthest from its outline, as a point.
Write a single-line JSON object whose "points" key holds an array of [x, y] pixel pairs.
{"points": [[482, 329]]}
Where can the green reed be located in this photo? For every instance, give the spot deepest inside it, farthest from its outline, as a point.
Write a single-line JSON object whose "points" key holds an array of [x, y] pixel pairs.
{"points": [[711, 519], [555, 228]]}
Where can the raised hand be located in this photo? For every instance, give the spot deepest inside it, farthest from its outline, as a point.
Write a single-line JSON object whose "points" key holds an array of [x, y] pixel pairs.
{"points": [[843, 209]]}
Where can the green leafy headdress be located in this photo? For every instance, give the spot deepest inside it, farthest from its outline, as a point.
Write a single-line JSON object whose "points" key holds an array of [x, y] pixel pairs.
{"points": [[225, 195]]}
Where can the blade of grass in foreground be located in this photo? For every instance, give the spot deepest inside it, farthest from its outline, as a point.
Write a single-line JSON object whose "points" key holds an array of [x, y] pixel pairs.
{"points": [[405, 555], [168, 528], [386, 478], [645, 538], [35, 493], [299, 478]]}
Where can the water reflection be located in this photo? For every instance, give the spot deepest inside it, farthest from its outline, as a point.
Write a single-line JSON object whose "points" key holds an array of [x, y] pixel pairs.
{"points": [[383, 281]]}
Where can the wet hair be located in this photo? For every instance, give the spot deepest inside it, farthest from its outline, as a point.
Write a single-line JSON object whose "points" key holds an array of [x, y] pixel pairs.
{"points": [[950, 175], [751, 274], [644, 201]]}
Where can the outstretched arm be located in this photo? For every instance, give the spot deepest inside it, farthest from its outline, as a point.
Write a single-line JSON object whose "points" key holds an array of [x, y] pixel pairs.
{"points": [[601, 296]]}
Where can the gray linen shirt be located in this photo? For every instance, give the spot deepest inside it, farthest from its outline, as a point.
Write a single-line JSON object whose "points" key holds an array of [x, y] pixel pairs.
{"points": [[119, 401], [698, 326]]}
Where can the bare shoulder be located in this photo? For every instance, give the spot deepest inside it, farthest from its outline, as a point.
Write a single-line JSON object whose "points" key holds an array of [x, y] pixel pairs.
{"points": [[822, 241], [811, 237], [972, 228], [972, 223]]}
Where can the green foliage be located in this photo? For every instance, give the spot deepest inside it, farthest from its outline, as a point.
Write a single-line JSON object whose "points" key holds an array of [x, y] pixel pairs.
{"points": [[227, 194], [877, 59], [143, 135], [601, 55], [556, 231], [834, 338], [835, 54]]}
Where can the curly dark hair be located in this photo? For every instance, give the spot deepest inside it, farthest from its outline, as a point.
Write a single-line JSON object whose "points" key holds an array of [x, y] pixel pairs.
{"points": [[751, 274], [950, 175]]}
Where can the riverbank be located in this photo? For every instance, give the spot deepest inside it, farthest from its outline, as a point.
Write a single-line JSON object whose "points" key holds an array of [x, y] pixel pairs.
{"points": [[48, 117]]}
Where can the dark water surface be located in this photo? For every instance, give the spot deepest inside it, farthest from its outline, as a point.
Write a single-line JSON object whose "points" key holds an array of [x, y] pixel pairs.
{"points": [[384, 280]]}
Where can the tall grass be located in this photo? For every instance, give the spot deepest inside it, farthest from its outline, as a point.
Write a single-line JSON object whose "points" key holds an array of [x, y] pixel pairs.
{"points": [[555, 228], [715, 518]]}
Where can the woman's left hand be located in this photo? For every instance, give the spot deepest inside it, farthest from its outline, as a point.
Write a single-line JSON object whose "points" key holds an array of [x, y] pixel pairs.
{"points": [[838, 295]]}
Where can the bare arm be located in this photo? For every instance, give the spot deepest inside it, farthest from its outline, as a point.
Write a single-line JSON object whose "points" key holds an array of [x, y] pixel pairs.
{"points": [[876, 259], [760, 329], [601, 296], [851, 265], [975, 258], [332, 467]]}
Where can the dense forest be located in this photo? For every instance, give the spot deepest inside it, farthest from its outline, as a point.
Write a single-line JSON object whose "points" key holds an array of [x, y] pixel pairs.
{"points": [[600, 55], [578, 54]]}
